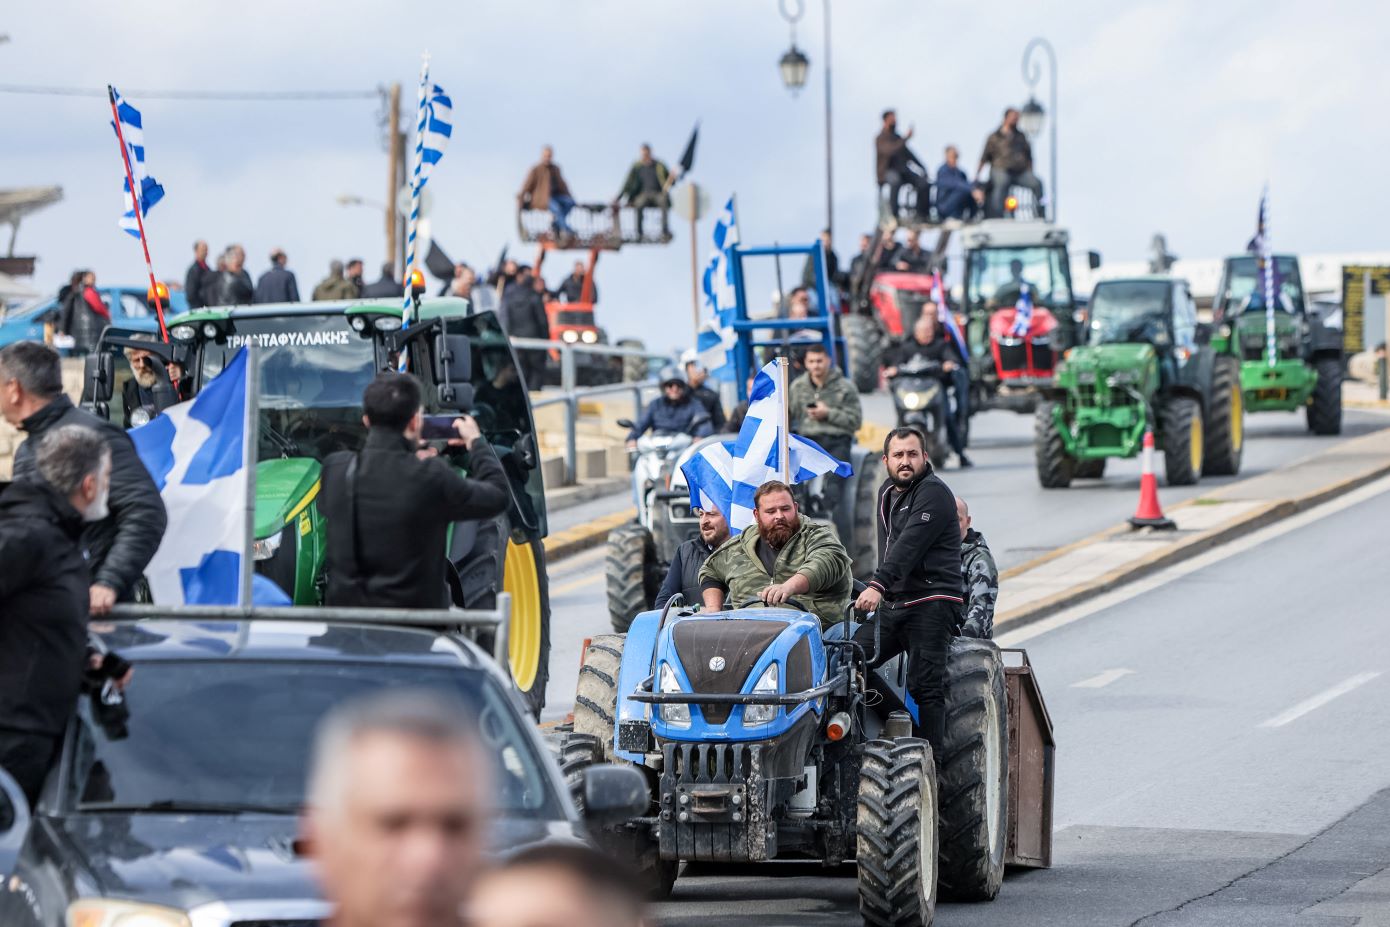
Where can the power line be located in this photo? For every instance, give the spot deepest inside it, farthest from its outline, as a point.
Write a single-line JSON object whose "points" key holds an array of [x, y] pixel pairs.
{"points": [[239, 95]]}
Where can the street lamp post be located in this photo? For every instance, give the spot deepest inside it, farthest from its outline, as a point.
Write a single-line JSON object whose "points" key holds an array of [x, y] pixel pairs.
{"points": [[794, 65], [1032, 116]]}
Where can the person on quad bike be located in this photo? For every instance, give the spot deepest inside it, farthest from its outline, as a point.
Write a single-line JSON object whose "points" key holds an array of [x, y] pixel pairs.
{"points": [[675, 411], [684, 573], [979, 578], [943, 361], [782, 556], [916, 589]]}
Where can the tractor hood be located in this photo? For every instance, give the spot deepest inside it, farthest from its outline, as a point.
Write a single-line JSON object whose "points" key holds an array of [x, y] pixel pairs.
{"points": [[284, 487], [1103, 365]]}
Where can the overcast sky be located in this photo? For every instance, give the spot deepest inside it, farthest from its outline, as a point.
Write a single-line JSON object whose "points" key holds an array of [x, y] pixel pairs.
{"points": [[1173, 114]]}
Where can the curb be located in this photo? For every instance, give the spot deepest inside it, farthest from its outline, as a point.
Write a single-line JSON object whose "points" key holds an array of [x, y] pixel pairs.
{"points": [[572, 541], [1198, 544]]}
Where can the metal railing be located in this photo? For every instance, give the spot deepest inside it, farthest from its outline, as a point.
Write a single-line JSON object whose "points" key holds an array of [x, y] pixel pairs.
{"points": [[571, 394]]}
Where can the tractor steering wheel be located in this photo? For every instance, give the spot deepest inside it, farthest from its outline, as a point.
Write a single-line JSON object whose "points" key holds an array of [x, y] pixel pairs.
{"points": [[793, 603]]}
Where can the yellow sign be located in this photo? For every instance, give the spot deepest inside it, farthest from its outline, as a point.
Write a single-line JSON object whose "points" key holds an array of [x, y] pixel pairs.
{"points": [[1354, 302]]}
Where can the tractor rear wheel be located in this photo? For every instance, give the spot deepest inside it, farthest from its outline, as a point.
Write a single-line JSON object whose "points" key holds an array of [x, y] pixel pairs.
{"points": [[896, 846], [528, 634], [863, 344], [1055, 466], [864, 553], [596, 697], [1092, 469], [974, 773], [1225, 425], [1181, 421], [629, 567], [1325, 411]]}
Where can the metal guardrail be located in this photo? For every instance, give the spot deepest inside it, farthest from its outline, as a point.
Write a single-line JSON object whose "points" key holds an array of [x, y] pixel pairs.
{"points": [[568, 352]]}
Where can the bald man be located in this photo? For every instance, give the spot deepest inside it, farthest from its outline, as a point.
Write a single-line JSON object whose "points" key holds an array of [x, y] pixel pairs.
{"points": [[979, 577]]}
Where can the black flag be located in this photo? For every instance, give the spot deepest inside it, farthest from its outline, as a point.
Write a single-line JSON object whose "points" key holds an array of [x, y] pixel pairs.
{"points": [[688, 158]]}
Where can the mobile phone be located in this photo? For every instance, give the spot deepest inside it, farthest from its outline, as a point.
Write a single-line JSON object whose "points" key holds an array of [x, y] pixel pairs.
{"points": [[439, 427]]}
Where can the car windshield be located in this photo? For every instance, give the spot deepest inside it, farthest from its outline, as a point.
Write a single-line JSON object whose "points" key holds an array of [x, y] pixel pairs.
{"points": [[235, 735], [1244, 285], [313, 372], [994, 274], [1128, 311]]}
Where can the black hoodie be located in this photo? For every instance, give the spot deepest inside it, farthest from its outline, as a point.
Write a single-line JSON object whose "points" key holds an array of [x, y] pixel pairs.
{"points": [[918, 542]]}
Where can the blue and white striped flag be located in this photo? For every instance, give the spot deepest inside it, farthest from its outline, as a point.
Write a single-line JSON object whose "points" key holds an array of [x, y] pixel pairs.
{"points": [[717, 338], [945, 317], [439, 126], [133, 131], [1261, 247], [725, 475], [1023, 312], [434, 127]]}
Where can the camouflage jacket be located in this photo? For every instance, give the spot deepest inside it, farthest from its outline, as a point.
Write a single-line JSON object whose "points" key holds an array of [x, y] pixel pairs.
{"points": [[814, 551], [980, 578], [839, 396]]}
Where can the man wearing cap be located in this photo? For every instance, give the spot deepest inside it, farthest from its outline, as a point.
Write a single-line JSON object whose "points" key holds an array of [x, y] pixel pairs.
{"points": [[675, 411]]}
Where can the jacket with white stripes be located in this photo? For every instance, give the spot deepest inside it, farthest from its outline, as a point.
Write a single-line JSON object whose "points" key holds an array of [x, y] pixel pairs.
{"points": [[918, 543]]}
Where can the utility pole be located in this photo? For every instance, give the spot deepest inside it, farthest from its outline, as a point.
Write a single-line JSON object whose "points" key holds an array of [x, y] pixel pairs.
{"points": [[394, 151]]}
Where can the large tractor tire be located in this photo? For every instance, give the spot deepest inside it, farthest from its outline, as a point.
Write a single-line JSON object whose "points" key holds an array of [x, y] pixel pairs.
{"points": [[630, 570], [1092, 469], [1225, 424], [896, 846], [864, 550], [1055, 466], [577, 753], [596, 698], [864, 345], [1183, 441], [1325, 411], [974, 773], [528, 634]]}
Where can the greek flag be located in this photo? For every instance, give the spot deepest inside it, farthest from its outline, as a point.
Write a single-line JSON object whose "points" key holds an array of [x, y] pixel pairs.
{"points": [[717, 338], [1260, 246], [133, 132], [725, 475], [198, 453], [1023, 312], [943, 314], [439, 126]]}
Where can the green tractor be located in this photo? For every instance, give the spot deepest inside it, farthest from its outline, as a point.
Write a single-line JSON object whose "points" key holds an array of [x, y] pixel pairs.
{"points": [[1141, 366], [1305, 370], [315, 361]]}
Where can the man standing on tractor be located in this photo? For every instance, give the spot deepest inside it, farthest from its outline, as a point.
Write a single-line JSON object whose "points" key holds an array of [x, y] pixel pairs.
{"points": [[927, 345], [916, 588], [645, 186], [675, 411], [979, 576], [684, 574], [545, 188], [783, 556], [1010, 160], [825, 407], [895, 165]]}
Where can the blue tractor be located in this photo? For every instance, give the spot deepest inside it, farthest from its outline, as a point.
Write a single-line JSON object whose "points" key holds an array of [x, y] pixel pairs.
{"points": [[763, 737]]}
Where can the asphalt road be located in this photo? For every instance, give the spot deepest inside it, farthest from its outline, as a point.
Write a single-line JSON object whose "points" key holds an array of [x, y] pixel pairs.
{"points": [[1220, 750]]}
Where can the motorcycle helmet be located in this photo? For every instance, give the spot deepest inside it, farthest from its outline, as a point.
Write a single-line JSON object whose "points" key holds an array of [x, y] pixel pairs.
{"points": [[672, 374]]}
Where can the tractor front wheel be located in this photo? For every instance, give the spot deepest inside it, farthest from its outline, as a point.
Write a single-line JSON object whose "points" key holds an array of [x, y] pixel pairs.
{"points": [[1225, 432], [897, 842], [1092, 469], [528, 634], [630, 571], [1182, 440], [1055, 466], [1325, 411]]}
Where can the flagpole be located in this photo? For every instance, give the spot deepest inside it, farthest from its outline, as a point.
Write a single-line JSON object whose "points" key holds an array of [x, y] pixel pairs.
{"points": [[421, 116], [139, 211], [1271, 346], [784, 446], [249, 444]]}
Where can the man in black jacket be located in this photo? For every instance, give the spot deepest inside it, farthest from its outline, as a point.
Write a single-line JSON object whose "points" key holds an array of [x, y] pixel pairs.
{"points": [[121, 544], [683, 576], [916, 588], [199, 276], [277, 285], [388, 507], [44, 597], [523, 316], [937, 357]]}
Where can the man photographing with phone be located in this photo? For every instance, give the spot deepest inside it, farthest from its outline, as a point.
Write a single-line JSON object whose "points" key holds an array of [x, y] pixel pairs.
{"points": [[387, 508]]}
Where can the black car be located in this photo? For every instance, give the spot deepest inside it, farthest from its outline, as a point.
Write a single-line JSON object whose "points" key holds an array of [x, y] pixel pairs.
{"points": [[178, 808]]}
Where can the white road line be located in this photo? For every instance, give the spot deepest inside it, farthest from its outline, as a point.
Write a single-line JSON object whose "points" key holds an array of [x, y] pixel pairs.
{"points": [[1178, 571], [1100, 680], [1319, 700]]}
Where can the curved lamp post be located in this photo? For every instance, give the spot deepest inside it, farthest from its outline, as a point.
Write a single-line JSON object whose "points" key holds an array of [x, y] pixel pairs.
{"points": [[794, 66], [1032, 116]]}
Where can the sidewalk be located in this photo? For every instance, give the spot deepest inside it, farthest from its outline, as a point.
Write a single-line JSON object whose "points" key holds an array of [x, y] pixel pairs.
{"points": [[1104, 561]]}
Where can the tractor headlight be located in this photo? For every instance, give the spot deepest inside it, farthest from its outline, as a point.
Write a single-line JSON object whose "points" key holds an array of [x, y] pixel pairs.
{"points": [[108, 912], [588, 336], [676, 715], [569, 336], [358, 324], [1121, 378], [183, 332], [912, 401], [767, 685], [388, 323], [265, 548]]}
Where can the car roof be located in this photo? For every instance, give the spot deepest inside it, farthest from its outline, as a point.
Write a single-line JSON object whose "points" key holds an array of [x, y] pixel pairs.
{"points": [[293, 641]]}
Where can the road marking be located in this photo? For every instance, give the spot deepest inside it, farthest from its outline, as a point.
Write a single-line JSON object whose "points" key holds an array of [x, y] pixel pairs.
{"points": [[576, 584], [1319, 700], [1187, 567], [1100, 680]]}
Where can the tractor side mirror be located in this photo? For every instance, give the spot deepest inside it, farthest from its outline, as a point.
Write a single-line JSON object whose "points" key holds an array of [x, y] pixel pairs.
{"points": [[14, 820], [98, 377], [1093, 259], [1203, 332], [453, 371], [614, 793]]}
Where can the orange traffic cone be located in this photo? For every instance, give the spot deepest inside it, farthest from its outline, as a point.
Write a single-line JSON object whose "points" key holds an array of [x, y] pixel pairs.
{"points": [[1150, 513]]}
